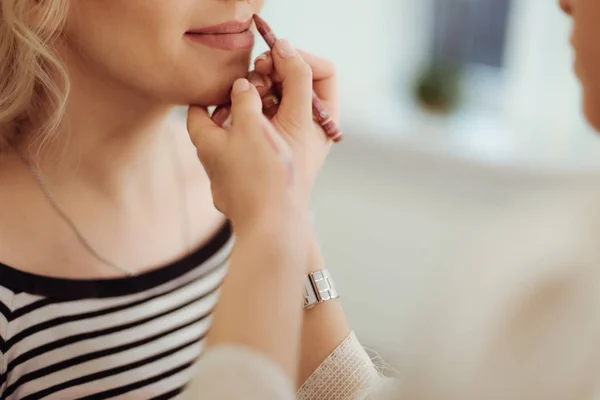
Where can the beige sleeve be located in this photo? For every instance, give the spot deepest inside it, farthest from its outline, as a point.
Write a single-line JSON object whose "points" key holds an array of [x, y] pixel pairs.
{"points": [[518, 320], [347, 374]]}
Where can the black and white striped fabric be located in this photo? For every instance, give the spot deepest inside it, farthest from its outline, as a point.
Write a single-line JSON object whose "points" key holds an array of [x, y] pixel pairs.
{"points": [[124, 338]]}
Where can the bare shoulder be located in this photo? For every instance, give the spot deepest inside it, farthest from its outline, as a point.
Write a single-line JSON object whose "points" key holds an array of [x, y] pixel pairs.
{"points": [[17, 208]]}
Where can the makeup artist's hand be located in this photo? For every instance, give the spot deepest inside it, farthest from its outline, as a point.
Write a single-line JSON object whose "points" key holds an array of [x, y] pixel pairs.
{"points": [[323, 80], [254, 173], [265, 87], [268, 75]]}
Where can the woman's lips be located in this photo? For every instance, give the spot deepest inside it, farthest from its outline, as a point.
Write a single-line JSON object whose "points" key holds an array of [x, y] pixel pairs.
{"points": [[232, 35], [224, 41]]}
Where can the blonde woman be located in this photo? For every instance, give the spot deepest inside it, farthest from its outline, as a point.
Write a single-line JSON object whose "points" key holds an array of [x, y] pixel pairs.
{"points": [[111, 249]]}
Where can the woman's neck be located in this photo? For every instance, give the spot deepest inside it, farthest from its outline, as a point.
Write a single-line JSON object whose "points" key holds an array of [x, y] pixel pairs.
{"points": [[112, 139]]}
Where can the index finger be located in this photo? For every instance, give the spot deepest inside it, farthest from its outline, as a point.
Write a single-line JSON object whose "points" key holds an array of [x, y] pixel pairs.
{"points": [[324, 76], [322, 68], [325, 81]]}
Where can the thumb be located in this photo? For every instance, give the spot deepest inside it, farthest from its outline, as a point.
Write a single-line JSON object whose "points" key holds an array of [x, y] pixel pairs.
{"points": [[208, 138], [247, 113], [246, 105]]}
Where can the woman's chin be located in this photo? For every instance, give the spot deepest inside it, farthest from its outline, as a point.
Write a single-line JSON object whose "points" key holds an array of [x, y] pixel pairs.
{"points": [[208, 101], [592, 112], [218, 93]]}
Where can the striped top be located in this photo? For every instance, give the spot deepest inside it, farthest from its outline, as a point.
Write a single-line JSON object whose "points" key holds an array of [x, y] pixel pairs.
{"points": [[123, 338]]}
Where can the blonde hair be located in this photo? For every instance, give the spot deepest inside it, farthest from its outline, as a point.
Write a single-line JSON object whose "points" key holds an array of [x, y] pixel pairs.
{"points": [[33, 82]]}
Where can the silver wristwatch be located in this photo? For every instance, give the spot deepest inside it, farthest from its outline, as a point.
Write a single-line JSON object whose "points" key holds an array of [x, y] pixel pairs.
{"points": [[319, 287]]}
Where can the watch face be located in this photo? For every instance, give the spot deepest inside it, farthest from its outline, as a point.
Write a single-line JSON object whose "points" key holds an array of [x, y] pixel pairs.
{"points": [[319, 287]]}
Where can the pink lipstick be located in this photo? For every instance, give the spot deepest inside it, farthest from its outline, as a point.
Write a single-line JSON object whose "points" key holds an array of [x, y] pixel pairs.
{"points": [[232, 35]]}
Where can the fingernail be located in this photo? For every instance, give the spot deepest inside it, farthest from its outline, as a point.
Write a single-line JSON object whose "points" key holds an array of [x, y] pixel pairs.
{"points": [[240, 86], [262, 57], [285, 49], [228, 124], [270, 101], [258, 81], [220, 115]]}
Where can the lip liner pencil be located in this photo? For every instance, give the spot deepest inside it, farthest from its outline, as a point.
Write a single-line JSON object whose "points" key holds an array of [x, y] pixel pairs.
{"points": [[320, 113]]}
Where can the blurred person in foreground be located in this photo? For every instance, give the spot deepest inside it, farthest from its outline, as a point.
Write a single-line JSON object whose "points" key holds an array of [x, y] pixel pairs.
{"points": [[524, 326]]}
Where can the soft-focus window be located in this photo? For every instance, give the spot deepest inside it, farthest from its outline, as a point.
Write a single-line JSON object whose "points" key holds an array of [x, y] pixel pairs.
{"points": [[471, 31], [472, 36]]}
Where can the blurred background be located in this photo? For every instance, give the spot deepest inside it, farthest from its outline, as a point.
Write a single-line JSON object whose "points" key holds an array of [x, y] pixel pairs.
{"points": [[460, 117], [485, 79]]}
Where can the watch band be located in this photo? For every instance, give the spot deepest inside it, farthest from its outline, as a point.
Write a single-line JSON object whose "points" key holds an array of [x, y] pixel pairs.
{"points": [[319, 287]]}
